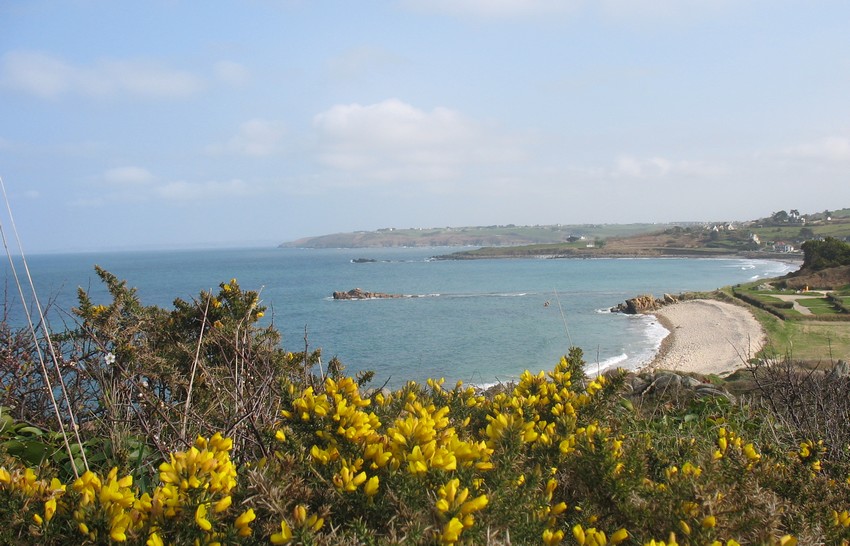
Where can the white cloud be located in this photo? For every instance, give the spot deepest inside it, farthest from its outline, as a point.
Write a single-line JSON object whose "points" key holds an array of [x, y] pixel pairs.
{"points": [[49, 77], [232, 73], [128, 176], [493, 8], [833, 148], [198, 191], [392, 141], [256, 137]]}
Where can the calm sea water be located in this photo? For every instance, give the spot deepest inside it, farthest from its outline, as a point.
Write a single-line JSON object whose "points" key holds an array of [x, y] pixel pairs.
{"points": [[480, 321]]}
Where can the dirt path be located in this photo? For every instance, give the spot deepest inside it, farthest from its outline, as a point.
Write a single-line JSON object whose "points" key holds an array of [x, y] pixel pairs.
{"points": [[802, 309]]}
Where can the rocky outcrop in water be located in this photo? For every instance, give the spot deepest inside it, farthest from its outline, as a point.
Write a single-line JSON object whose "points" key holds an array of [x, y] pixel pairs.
{"points": [[360, 294], [643, 304]]}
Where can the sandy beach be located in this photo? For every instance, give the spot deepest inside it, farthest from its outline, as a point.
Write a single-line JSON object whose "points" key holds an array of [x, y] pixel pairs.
{"points": [[707, 336]]}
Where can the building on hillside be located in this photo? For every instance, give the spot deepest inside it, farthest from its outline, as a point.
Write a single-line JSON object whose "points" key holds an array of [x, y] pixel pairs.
{"points": [[783, 247]]}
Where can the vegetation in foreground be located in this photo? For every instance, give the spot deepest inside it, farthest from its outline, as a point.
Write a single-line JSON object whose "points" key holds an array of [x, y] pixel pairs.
{"points": [[192, 426]]}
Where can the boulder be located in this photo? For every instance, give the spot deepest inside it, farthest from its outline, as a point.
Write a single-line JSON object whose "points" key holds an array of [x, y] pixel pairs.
{"points": [[639, 304]]}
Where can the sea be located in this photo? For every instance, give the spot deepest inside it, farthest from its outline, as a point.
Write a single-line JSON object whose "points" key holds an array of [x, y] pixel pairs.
{"points": [[478, 321]]}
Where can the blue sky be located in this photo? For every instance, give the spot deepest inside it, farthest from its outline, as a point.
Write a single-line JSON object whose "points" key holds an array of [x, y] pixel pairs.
{"points": [[168, 123]]}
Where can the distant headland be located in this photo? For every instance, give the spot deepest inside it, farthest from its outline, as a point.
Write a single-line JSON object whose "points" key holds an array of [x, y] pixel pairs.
{"points": [[778, 236]]}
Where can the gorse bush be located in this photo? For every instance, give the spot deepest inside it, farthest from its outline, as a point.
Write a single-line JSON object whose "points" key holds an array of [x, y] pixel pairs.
{"points": [[199, 429]]}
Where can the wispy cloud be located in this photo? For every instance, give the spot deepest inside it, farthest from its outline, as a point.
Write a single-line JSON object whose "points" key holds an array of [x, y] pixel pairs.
{"points": [[50, 77], [128, 176], [203, 191], [392, 141], [256, 137], [232, 73], [658, 167], [363, 61], [833, 148], [132, 184]]}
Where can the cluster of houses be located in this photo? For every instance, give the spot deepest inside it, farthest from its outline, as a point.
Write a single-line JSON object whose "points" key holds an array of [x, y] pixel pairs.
{"points": [[777, 246]]}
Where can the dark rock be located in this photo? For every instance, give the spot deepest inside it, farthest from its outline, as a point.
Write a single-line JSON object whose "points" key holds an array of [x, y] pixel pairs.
{"points": [[359, 294], [638, 384], [710, 391], [666, 381], [691, 382]]}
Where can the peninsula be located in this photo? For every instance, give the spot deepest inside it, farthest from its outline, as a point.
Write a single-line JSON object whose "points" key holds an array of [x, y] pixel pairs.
{"points": [[778, 236]]}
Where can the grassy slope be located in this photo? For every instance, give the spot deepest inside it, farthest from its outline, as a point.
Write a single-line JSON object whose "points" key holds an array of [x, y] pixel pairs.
{"points": [[810, 341]]}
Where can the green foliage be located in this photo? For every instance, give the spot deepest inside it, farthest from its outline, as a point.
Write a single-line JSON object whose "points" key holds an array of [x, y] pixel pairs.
{"points": [[824, 254], [319, 460]]}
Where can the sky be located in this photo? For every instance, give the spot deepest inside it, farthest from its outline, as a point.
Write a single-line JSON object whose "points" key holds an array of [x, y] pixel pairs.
{"points": [[182, 124]]}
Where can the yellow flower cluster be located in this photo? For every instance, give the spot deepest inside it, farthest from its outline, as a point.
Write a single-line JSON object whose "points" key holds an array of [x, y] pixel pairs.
{"points": [[199, 481], [595, 537], [786, 540], [727, 439], [455, 507], [302, 520], [111, 501], [195, 486], [418, 440], [25, 482], [810, 453]]}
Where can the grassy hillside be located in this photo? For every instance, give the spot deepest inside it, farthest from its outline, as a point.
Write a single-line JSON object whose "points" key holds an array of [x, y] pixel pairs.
{"points": [[764, 238], [686, 238], [508, 235]]}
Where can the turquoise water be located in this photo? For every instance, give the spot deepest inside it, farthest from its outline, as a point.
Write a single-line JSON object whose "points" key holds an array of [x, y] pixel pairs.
{"points": [[479, 321]]}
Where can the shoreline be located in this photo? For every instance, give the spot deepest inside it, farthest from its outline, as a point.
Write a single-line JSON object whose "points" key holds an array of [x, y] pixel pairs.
{"points": [[707, 337], [504, 253]]}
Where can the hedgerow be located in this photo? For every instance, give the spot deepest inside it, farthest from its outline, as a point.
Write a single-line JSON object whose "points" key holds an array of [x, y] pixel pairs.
{"points": [[197, 428]]}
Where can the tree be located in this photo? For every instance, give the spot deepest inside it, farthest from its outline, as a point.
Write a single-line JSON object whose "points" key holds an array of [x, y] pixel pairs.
{"points": [[780, 217], [824, 254]]}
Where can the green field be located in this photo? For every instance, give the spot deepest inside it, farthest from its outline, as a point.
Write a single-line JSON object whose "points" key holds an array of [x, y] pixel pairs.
{"points": [[811, 341]]}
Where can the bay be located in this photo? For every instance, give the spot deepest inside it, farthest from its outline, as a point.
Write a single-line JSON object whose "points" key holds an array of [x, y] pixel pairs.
{"points": [[480, 321]]}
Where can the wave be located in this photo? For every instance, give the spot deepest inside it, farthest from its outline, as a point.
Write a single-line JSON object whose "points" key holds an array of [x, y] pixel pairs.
{"points": [[608, 363], [364, 261], [489, 295]]}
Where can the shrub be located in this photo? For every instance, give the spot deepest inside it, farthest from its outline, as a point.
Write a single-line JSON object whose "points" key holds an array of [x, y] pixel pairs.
{"points": [[558, 457]]}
